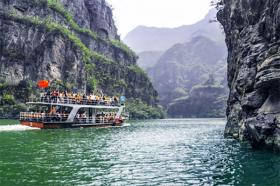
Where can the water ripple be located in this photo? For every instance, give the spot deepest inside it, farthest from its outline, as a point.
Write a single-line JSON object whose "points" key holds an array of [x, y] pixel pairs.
{"points": [[159, 152]]}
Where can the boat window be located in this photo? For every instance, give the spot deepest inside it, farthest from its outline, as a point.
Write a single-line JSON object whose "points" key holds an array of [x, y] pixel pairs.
{"points": [[50, 108], [83, 113], [61, 109]]}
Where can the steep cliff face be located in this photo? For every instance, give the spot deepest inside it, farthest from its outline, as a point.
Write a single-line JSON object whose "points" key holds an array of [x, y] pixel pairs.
{"points": [[71, 43], [253, 38]]}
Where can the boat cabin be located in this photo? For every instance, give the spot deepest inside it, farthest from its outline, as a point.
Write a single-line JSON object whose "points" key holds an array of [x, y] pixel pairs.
{"points": [[69, 113]]}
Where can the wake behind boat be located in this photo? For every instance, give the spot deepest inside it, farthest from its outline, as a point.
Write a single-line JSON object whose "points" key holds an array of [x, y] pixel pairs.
{"points": [[62, 110], [17, 127]]}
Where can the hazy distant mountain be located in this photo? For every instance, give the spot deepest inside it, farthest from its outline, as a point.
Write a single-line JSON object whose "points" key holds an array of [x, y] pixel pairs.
{"points": [[190, 72], [206, 100], [148, 59], [145, 38], [185, 66]]}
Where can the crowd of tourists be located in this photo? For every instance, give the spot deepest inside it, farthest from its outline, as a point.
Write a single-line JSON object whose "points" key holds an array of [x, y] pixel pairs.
{"points": [[103, 117], [77, 98], [54, 114], [48, 114]]}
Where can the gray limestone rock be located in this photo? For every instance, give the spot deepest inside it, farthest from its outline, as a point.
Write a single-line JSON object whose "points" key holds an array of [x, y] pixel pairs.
{"points": [[30, 50], [252, 31]]}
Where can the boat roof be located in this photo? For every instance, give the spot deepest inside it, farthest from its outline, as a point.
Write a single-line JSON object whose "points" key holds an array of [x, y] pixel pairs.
{"points": [[75, 105]]}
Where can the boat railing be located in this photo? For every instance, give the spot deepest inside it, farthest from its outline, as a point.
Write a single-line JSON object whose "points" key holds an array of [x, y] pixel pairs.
{"points": [[43, 117], [83, 101], [90, 120]]}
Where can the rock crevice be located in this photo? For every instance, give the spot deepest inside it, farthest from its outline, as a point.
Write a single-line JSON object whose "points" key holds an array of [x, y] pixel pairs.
{"points": [[252, 37]]}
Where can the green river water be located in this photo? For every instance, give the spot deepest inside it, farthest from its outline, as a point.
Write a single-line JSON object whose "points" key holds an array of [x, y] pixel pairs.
{"points": [[158, 152]]}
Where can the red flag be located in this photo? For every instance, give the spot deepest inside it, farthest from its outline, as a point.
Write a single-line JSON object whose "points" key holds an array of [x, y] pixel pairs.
{"points": [[43, 83]]}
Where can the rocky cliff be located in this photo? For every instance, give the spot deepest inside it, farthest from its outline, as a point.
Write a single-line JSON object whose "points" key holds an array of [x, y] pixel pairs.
{"points": [[73, 44], [253, 38]]}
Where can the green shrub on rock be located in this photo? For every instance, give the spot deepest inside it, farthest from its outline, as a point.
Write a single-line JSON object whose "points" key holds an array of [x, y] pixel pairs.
{"points": [[7, 99], [139, 110]]}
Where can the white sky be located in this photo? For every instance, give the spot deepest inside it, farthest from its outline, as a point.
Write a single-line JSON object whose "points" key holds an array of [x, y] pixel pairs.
{"points": [[129, 14]]}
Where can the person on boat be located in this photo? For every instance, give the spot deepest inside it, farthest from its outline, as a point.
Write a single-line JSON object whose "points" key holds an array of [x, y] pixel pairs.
{"points": [[93, 118], [42, 115], [84, 99], [107, 101], [103, 100], [77, 117], [106, 118], [76, 99], [52, 111], [64, 116], [58, 116], [101, 118], [91, 99], [60, 97], [111, 100], [54, 96], [80, 99], [116, 101], [65, 97], [57, 96], [47, 96], [100, 100], [71, 98], [84, 116], [111, 118]]}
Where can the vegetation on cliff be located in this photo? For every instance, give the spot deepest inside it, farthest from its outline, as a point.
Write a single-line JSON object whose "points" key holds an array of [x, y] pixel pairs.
{"points": [[108, 64], [58, 6], [139, 110], [12, 98], [52, 25]]}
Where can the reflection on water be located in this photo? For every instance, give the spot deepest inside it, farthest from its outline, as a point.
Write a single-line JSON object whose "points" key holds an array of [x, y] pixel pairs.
{"points": [[160, 152]]}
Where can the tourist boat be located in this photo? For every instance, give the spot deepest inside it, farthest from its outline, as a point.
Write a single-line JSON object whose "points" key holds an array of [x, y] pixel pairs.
{"points": [[57, 113]]}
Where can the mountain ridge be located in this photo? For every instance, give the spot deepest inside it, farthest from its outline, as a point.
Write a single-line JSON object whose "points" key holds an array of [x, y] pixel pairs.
{"points": [[197, 54], [144, 38]]}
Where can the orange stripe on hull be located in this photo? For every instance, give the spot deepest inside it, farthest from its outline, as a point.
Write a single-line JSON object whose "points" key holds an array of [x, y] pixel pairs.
{"points": [[58, 126], [40, 125], [33, 124]]}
